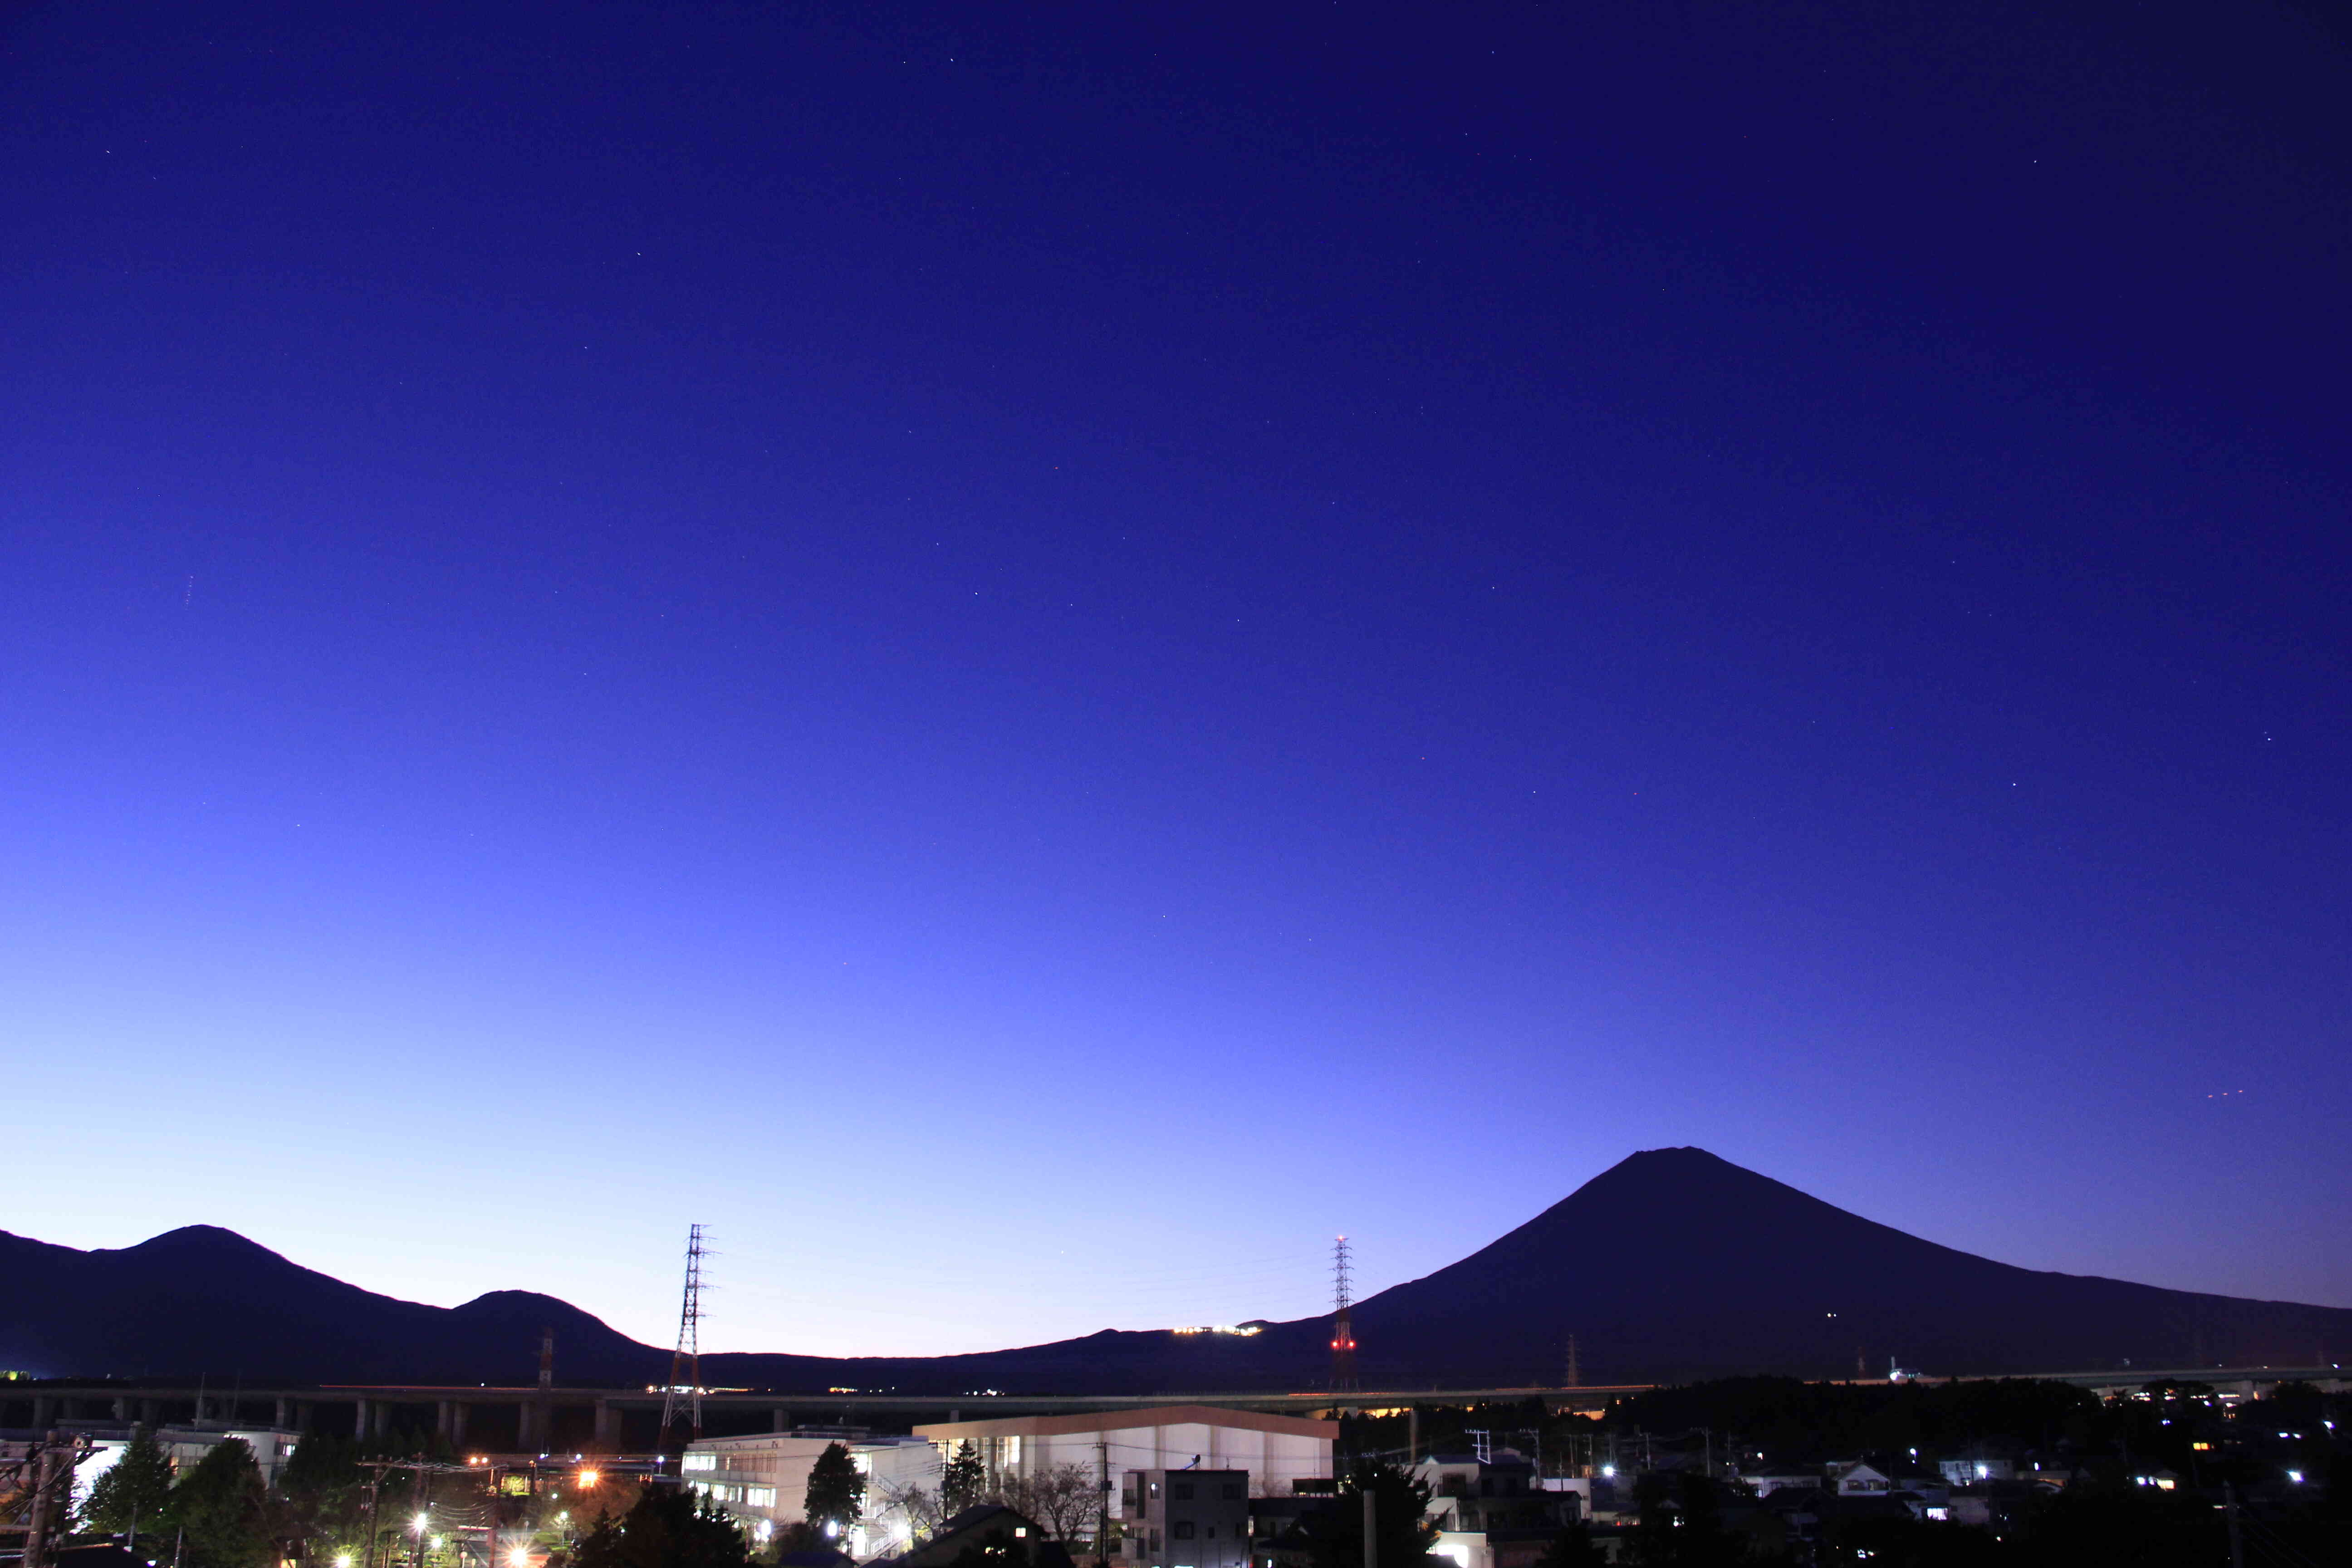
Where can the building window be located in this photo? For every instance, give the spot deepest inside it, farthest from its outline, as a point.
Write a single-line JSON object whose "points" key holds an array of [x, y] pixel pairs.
{"points": [[1181, 1490], [1182, 1529], [699, 1462], [1232, 1490]]}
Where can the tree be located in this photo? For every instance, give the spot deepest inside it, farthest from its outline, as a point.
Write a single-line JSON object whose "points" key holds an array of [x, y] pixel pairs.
{"points": [[666, 1528], [919, 1506], [134, 1491], [223, 1508], [1682, 1524], [1573, 1547], [1401, 1527], [965, 1481], [1066, 1500], [837, 1491]]}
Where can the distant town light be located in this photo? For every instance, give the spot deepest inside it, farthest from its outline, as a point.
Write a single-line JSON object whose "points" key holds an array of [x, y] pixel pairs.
{"points": [[518, 1558], [2295, 1476], [1608, 1472], [343, 1560], [591, 1477], [419, 1522]]}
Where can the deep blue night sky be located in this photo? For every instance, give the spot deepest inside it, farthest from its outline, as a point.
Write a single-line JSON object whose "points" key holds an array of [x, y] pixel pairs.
{"points": [[1031, 657]]}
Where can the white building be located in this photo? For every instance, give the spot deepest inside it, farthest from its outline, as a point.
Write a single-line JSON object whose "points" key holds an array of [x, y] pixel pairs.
{"points": [[1275, 1450], [182, 1447], [763, 1480]]}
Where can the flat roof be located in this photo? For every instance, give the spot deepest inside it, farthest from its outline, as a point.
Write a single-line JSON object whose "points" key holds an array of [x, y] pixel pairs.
{"points": [[1130, 1420]]}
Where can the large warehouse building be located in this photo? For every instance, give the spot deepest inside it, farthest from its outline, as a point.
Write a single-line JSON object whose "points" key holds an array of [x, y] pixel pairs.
{"points": [[1277, 1450]]}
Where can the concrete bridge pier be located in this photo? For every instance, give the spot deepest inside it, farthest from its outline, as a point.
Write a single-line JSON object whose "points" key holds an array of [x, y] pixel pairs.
{"points": [[285, 1412], [608, 1427], [360, 1419]]}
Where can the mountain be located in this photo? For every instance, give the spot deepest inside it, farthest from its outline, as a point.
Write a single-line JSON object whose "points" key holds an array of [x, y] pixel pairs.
{"points": [[1671, 1264], [1677, 1263], [204, 1299]]}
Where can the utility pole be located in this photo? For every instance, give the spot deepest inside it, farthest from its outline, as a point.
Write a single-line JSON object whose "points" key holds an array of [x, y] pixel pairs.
{"points": [[2230, 1506], [376, 1494], [545, 1422], [1102, 1475], [1371, 1527], [48, 1467], [1575, 1373]]}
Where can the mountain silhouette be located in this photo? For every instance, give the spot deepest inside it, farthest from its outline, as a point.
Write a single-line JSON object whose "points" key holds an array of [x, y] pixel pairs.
{"points": [[1671, 1265]]}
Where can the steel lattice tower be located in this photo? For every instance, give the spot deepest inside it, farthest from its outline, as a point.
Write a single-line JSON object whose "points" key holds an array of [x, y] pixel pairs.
{"points": [[688, 1354], [1343, 1333]]}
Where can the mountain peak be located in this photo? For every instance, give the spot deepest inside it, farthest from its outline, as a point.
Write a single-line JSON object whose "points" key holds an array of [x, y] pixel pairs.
{"points": [[210, 1241]]}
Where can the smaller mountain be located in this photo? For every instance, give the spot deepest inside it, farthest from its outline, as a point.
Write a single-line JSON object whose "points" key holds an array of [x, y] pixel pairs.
{"points": [[204, 1299]]}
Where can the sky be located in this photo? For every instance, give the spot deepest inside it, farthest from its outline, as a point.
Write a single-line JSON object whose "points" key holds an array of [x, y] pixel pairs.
{"points": [[1030, 657]]}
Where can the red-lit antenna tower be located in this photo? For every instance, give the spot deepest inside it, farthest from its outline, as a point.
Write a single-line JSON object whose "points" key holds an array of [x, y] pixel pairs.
{"points": [[688, 1354], [1343, 1333]]}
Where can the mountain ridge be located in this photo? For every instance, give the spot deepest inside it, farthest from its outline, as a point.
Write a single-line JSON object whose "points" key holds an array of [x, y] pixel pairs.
{"points": [[1673, 1263]]}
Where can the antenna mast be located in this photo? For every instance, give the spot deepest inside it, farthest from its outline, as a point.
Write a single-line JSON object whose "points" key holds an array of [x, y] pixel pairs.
{"points": [[688, 1354], [1343, 1333]]}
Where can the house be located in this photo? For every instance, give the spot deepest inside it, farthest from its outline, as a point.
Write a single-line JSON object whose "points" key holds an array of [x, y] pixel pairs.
{"points": [[1778, 1477], [1184, 1519], [1493, 1513], [1971, 1469], [989, 1525], [1858, 1479], [1997, 1506]]}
